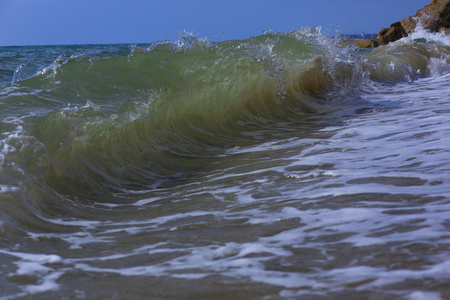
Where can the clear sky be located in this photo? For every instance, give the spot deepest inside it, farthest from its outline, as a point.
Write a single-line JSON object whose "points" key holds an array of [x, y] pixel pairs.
{"points": [[50, 22]]}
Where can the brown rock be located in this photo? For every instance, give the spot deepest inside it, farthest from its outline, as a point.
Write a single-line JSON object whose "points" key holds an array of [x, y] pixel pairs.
{"points": [[368, 43], [409, 24], [445, 30], [393, 33], [434, 17]]}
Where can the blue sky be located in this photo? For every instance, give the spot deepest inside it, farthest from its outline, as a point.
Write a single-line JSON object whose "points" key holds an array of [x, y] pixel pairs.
{"points": [[50, 22]]}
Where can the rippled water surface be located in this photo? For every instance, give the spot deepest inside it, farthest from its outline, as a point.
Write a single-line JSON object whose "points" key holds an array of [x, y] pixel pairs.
{"points": [[350, 203]]}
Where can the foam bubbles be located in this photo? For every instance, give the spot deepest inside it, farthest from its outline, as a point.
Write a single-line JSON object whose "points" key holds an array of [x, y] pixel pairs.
{"points": [[39, 266], [437, 38], [418, 295]]}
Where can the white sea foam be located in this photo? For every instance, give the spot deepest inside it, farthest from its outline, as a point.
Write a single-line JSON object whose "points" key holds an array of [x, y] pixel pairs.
{"points": [[419, 295], [37, 265], [438, 38]]}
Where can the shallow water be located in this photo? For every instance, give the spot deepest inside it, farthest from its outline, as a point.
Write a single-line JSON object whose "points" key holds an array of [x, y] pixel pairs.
{"points": [[297, 191]]}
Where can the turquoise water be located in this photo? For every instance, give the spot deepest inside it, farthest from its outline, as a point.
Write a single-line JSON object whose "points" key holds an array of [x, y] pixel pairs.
{"points": [[280, 166]]}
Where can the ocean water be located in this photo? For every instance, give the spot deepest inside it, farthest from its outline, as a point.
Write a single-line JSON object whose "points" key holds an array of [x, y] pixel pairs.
{"points": [[282, 166]]}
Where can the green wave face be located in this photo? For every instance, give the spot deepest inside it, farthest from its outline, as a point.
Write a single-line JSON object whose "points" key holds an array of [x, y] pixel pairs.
{"points": [[113, 123]]}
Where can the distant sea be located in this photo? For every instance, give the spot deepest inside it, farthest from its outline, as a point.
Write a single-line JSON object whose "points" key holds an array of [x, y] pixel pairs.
{"points": [[282, 166]]}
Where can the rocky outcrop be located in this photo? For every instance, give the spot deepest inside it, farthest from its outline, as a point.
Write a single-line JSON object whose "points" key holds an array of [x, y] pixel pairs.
{"points": [[393, 33], [366, 43], [434, 17]]}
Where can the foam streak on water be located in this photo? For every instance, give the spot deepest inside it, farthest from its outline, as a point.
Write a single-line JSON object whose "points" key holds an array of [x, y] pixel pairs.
{"points": [[294, 191]]}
